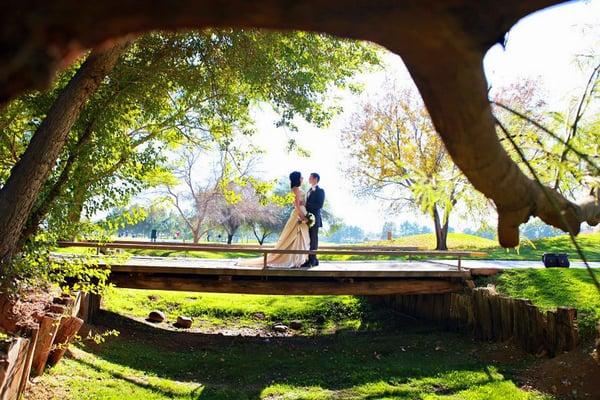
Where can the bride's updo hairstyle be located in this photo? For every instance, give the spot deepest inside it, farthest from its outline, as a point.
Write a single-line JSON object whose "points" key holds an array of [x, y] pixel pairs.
{"points": [[295, 179]]}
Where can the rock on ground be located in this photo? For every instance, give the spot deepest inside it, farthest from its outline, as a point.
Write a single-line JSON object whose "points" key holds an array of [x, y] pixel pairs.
{"points": [[156, 316], [183, 322], [296, 325]]}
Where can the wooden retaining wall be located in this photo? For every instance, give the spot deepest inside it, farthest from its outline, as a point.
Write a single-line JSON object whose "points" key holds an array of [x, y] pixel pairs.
{"points": [[493, 317], [30, 349]]}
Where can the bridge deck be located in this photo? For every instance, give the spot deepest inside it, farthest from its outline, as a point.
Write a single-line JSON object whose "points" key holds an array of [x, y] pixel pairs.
{"points": [[343, 277], [339, 269]]}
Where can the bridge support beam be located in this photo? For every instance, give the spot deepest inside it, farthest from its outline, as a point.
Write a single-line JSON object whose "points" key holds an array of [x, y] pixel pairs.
{"points": [[297, 286], [90, 306]]}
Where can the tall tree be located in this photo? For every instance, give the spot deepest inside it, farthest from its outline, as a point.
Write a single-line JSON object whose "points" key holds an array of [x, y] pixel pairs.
{"points": [[29, 174], [398, 157], [167, 89]]}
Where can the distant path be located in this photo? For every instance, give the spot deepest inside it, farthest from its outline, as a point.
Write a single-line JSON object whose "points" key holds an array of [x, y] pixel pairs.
{"points": [[509, 264]]}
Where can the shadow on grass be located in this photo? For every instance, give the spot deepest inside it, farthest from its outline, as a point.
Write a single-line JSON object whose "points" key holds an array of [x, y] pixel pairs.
{"points": [[356, 365]]}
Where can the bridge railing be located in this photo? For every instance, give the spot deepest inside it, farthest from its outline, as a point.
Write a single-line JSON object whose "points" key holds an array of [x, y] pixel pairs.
{"points": [[394, 251]]}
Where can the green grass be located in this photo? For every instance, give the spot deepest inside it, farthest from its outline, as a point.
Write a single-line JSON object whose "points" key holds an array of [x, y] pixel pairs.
{"points": [[551, 288], [171, 365], [460, 241], [589, 242], [222, 310]]}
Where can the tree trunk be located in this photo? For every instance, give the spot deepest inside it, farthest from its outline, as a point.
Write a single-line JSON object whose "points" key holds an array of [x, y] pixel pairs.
{"points": [[31, 172], [195, 237], [441, 230], [229, 238], [40, 212]]}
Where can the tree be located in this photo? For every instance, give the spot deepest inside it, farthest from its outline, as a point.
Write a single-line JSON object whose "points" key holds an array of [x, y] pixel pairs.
{"points": [[233, 213], [399, 158], [199, 217], [139, 220], [408, 228], [346, 234], [454, 87], [387, 228], [29, 174], [561, 146], [267, 221], [202, 87]]}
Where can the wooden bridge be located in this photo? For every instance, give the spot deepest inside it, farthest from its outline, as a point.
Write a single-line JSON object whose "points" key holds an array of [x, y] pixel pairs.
{"points": [[330, 277]]}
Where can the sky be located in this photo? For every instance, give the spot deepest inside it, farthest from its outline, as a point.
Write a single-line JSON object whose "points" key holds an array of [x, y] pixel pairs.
{"points": [[542, 45]]}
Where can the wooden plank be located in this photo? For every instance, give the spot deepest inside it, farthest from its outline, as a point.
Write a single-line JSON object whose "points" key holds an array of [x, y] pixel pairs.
{"points": [[48, 328], [487, 271], [390, 272], [32, 334], [370, 287], [12, 368], [67, 330], [242, 249], [177, 245]]}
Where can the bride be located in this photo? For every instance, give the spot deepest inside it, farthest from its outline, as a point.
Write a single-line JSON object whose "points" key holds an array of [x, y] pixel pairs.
{"points": [[294, 235]]}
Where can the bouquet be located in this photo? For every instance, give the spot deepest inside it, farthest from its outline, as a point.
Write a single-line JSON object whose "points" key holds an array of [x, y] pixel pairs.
{"points": [[311, 220]]}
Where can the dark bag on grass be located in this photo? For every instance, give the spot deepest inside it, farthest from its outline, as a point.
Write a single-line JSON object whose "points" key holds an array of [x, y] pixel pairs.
{"points": [[554, 260]]}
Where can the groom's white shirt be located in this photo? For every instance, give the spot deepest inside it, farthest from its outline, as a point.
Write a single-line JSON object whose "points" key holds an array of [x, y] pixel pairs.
{"points": [[309, 192]]}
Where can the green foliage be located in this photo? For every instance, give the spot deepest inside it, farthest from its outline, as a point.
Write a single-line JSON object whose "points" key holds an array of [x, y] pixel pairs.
{"points": [[168, 89], [35, 266], [397, 156], [564, 152]]}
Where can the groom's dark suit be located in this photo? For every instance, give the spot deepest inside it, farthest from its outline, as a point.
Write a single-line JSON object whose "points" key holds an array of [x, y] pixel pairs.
{"points": [[314, 203]]}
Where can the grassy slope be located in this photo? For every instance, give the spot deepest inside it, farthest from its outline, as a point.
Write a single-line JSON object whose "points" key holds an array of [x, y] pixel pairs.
{"points": [[590, 243], [374, 366]]}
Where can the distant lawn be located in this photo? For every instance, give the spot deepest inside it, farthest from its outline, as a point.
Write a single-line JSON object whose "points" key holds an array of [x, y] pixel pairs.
{"points": [[589, 242], [551, 288], [456, 241]]}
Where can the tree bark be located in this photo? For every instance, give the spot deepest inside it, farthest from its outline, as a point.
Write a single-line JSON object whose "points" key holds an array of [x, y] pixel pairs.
{"points": [[31, 172], [441, 230], [196, 237], [40, 212]]}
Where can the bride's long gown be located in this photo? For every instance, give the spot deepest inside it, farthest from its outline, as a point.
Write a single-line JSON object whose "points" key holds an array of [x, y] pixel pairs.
{"points": [[293, 237]]}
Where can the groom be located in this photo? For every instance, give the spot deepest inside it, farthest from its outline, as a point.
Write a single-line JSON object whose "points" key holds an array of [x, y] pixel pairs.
{"points": [[314, 203]]}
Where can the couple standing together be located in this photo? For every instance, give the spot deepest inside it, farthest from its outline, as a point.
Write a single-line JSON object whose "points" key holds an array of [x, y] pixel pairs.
{"points": [[301, 232]]}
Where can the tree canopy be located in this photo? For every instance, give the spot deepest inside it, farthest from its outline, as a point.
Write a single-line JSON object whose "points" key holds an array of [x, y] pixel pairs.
{"points": [[167, 89]]}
